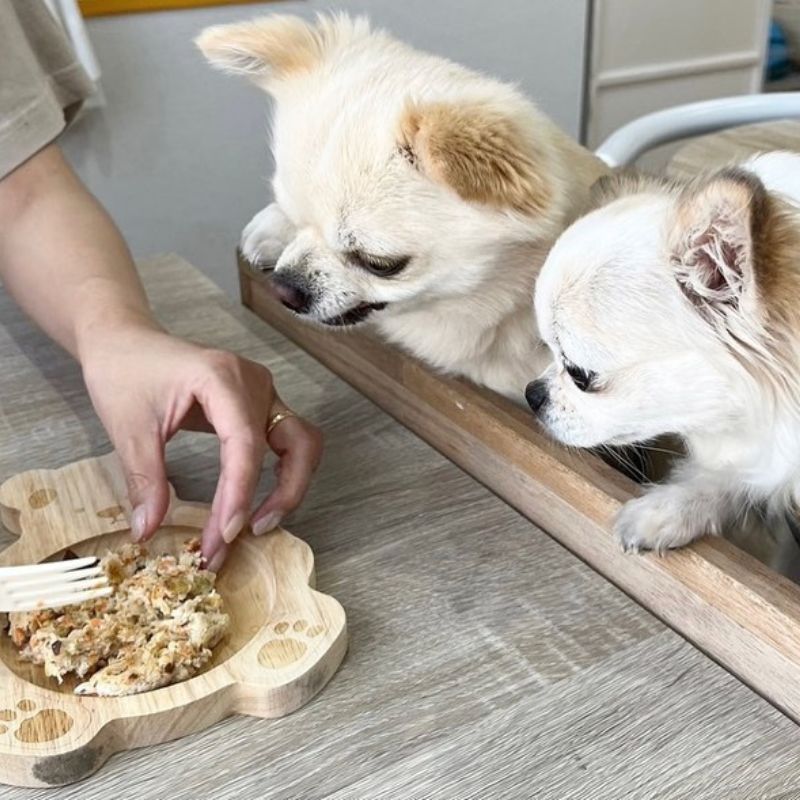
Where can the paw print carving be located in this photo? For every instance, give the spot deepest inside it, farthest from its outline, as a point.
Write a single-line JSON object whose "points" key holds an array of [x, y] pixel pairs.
{"points": [[39, 498], [36, 500], [289, 642], [31, 726], [113, 514]]}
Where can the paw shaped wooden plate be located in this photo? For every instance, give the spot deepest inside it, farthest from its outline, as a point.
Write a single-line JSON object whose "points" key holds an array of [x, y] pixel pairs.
{"points": [[286, 640]]}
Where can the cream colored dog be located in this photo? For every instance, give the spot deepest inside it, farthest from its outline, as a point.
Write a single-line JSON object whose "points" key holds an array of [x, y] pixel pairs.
{"points": [[675, 308], [409, 191]]}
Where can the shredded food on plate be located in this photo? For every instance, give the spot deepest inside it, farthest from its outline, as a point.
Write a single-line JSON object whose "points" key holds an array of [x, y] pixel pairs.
{"points": [[158, 627]]}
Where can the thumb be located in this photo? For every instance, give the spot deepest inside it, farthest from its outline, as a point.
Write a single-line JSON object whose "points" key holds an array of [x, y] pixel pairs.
{"points": [[145, 474]]}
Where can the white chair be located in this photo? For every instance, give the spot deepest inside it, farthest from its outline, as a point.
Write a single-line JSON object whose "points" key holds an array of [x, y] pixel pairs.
{"points": [[625, 145]]}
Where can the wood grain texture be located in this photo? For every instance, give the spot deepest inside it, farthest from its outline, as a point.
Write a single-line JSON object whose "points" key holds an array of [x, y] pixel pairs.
{"points": [[733, 146], [284, 643], [484, 660]]}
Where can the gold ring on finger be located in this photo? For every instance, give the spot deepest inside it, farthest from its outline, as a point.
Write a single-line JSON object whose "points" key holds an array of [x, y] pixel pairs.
{"points": [[277, 418]]}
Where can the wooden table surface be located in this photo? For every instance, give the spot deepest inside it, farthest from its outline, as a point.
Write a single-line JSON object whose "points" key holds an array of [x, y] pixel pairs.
{"points": [[733, 146], [485, 660]]}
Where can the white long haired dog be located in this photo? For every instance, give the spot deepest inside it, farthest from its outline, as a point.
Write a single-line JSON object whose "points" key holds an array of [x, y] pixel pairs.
{"points": [[676, 309], [409, 191]]}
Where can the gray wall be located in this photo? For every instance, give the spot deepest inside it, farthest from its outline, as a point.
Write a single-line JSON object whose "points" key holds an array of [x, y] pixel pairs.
{"points": [[179, 155]]}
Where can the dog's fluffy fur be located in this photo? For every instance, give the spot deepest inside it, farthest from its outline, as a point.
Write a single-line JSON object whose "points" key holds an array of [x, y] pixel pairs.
{"points": [[408, 190], [676, 309]]}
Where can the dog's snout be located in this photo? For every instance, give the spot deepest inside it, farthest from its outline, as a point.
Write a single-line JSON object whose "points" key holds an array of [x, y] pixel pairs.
{"points": [[536, 394], [292, 290]]}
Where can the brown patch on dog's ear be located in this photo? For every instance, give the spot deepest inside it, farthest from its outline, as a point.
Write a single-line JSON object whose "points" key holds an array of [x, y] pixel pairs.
{"points": [[484, 155], [718, 224], [276, 47]]}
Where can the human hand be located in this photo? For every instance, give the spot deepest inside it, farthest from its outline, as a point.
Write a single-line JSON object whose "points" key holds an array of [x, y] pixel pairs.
{"points": [[146, 385]]}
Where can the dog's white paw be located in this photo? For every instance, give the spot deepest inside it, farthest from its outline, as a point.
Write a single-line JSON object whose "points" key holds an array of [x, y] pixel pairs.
{"points": [[660, 520], [265, 237]]}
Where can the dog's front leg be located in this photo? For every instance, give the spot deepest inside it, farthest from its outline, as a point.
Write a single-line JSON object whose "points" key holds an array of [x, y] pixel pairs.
{"points": [[266, 236], [674, 515]]}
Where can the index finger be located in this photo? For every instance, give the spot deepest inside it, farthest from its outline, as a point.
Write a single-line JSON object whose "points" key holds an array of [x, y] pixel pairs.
{"points": [[242, 449]]}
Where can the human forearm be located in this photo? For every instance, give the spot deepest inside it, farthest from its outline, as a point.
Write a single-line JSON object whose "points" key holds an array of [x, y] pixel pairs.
{"points": [[62, 258], [66, 264]]}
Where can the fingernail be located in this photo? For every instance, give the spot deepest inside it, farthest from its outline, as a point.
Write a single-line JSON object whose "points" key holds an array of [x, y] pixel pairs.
{"points": [[217, 560], [234, 527], [267, 523], [138, 523]]}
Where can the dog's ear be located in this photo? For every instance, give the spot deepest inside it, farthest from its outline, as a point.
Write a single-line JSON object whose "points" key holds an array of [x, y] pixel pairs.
{"points": [[716, 226], [271, 48], [623, 182], [479, 151]]}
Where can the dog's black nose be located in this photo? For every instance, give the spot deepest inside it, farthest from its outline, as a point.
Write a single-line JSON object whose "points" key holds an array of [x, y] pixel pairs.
{"points": [[536, 394], [292, 291]]}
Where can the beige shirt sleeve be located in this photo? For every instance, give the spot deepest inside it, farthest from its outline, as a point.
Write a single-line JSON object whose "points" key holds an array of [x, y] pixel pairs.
{"points": [[42, 84]]}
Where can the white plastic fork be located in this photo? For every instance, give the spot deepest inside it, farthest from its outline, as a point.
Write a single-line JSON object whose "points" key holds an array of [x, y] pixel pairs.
{"points": [[52, 585]]}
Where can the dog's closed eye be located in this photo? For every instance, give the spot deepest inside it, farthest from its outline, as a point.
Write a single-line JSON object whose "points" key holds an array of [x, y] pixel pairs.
{"points": [[582, 378], [383, 266]]}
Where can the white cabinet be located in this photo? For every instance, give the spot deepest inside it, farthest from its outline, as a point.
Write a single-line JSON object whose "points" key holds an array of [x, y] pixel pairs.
{"points": [[645, 55]]}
